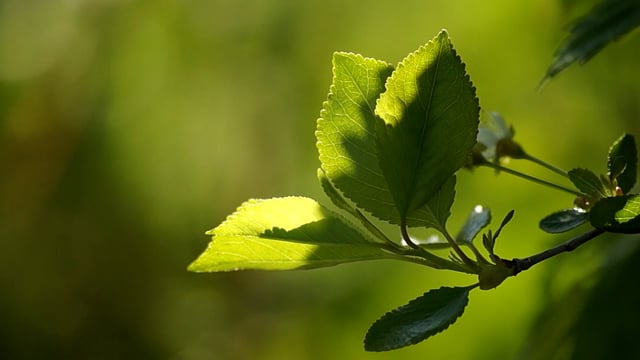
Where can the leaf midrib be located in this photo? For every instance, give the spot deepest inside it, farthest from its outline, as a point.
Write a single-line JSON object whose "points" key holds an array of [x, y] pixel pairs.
{"points": [[427, 108]]}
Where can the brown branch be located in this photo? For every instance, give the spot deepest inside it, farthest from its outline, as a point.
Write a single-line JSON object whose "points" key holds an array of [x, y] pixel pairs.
{"points": [[520, 265]]}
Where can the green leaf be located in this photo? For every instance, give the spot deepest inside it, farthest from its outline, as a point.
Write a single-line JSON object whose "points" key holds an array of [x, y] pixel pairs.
{"points": [[421, 318], [346, 133], [334, 195], [622, 162], [437, 210], [563, 220], [284, 234], [477, 220], [620, 214], [343, 204], [588, 183], [429, 121], [603, 24]]}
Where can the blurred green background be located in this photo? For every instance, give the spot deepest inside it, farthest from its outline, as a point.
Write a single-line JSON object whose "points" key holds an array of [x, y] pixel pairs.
{"points": [[129, 128]]}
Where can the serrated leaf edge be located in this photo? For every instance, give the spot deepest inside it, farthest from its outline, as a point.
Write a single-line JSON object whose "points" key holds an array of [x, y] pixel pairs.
{"points": [[418, 340]]}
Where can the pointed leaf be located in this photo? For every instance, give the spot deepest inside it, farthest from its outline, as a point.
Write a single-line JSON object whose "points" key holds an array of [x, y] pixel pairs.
{"points": [[429, 121], [622, 162], [507, 219], [620, 214], [477, 220], [588, 183], [563, 220], [284, 234], [421, 318], [346, 133]]}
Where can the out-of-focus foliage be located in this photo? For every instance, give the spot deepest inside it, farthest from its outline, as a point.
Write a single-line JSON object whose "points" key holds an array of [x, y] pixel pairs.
{"points": [[605, 23], [595, 317], [129, 128]]}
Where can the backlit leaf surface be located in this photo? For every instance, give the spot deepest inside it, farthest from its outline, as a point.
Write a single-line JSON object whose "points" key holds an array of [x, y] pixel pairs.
{"points": [[285, 234], [428, 123]]}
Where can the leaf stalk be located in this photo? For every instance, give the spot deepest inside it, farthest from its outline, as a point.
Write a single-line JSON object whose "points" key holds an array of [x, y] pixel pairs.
{"points": [[545, 164], [532, 178]]}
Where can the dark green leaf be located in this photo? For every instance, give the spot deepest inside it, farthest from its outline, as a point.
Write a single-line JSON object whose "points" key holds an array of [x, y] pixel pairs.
{"points": [[421, 318], [620, 214], [285, 234], [588, 183], [605, 23], [437, 210], [489, 242], [507, 219], [563, 220], [477, 220], [428, 124], [622, 162]]}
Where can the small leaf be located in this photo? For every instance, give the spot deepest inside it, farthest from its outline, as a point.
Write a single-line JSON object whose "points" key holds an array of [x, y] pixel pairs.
{"points": [[622, 162], [477, 220], [588, 183], [346, 133], [421, 318], [285, 234], [428, 123], [606, 22], [489, 242], [620, 214], [507, 219], [563, 220]]}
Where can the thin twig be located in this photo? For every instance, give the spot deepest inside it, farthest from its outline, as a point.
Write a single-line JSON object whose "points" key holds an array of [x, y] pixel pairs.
{"points": [[520, 265], [533, 179], [426, 257], [545, 164], [461, 254]]}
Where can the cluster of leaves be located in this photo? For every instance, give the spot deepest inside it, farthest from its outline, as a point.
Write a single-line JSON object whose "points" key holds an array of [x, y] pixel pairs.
{"points": [[606, 202], [391, 141]]}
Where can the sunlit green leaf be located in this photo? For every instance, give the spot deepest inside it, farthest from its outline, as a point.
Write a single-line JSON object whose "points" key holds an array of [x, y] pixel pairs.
{"points": [[563, 220], [622, 162], [346, 133], [333, 194], [284, 234], [429, 121], [477, 220], [603, 24], [588, 183], [421, 318], [620, 214]]}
